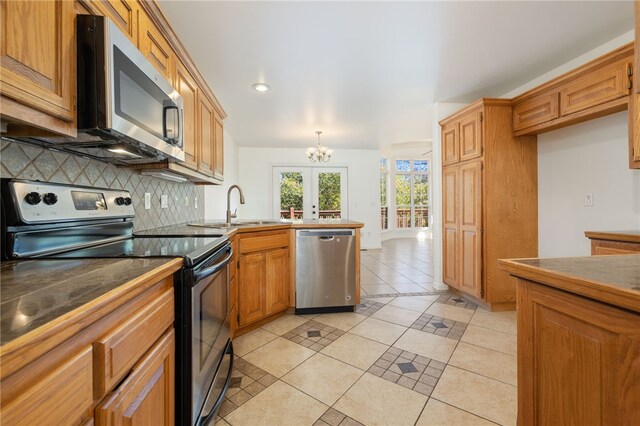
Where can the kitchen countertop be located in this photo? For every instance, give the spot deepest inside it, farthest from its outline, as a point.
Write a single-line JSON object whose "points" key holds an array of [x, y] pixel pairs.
{"points": [[37, 292], [626, 236], [610, 279], [198, 229]]}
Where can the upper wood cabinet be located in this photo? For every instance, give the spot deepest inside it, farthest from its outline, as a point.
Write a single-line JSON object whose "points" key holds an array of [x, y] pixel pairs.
{"points": [[535, 111], [188, 89], [38, 66], [485, 219], [634, 104], [597, 88], [451, 143], [156, 48], [206, 136], [637, 48], [124, 13], [218, 157]]}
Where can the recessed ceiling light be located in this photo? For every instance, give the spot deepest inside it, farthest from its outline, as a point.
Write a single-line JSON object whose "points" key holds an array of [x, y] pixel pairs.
{"points": [[261, 87]]}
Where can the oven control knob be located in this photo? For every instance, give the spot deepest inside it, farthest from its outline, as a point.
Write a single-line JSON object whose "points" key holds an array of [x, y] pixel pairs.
{"points": [[33, 198], [127, 201], [120, 201], [50, 198]]}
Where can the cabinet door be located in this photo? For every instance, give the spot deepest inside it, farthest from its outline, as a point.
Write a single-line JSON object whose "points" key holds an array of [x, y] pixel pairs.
{"points": [[450, 230], [450, 148], [471, 136], [578, 360], [124, 13], [470, 228], [218, 167], [251, 288], [146, 397], [637, 49], [188, 89], [535, 111], [206, 135], [155, 47], [38, 56], [277, 280], [596, 88]]}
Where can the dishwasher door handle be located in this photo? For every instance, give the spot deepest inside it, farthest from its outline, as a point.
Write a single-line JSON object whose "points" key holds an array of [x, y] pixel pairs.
{"points": [[326, 238]]}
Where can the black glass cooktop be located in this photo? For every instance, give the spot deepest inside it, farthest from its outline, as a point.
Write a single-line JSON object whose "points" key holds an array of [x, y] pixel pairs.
{"points": [[193, 248]]}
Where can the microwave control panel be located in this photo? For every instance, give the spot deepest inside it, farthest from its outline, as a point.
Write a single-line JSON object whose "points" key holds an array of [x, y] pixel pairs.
{"points": [[38, 202]]}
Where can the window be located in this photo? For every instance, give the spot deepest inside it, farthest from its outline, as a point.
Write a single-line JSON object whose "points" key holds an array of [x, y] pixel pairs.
{"points": [[384, 186], [412, 193]]}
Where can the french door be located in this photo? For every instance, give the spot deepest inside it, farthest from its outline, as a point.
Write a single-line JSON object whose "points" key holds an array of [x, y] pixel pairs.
{"points": [[310, 192]]}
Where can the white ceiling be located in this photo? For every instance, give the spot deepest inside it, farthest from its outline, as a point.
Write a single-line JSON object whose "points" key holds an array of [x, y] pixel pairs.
{"points": [[367, 73]]}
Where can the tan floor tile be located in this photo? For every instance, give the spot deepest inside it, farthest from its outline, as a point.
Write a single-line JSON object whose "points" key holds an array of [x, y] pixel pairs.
{"points": [[374, 280], [252, 340], [355, 350], [344, 321], [375, 401], [450, 312], [279, 356], [477, 394], [412, 303], [378, 289], [324, 378], [427, 344], [407, 287], [397, 315], [499, 321], [437, 413], [279, 404], [492, 339], [284, 324], [487, 362], [378, 330], [384, 300]]}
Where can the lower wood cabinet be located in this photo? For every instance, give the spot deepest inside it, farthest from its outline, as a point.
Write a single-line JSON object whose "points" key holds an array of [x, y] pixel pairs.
{"points": [[146, 397], [263, 275], [578, 359], [118, 368], [619, 242]]}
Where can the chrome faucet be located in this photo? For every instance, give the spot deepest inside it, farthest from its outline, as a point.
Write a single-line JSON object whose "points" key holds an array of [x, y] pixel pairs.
{"points": [[229, 215]]}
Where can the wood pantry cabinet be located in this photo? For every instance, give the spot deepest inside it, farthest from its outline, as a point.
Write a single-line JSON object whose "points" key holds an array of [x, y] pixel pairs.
{"points": [[263, 275], [634, 104], [578, 359], [489, 200], [113, 364]]}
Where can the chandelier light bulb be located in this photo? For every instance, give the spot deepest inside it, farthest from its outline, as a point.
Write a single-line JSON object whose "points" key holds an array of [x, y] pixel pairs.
{"points": [[319, 153]]}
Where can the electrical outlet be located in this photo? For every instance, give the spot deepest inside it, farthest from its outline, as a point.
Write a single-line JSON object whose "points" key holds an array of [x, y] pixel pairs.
{"points": [[147, 200], [588, 199], [164, 201], [186, 200], [195, 202]]}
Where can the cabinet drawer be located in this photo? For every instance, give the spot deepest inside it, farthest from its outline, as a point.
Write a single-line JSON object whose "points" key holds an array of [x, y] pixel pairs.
{"points": [[596, 88], [266, 242], [146, 397], [116, 352], [62, 397], [535, 111]]}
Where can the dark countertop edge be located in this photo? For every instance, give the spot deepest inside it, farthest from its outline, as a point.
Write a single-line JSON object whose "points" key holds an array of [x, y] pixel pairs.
{"points": [[78, 314], [625, 236], [593, 289]]}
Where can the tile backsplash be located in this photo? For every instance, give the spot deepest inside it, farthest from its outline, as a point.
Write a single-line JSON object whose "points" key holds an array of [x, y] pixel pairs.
{"points": [[26, 161]]}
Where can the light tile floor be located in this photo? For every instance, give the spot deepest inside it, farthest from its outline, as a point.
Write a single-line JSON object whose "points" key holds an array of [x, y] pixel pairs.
{"points": [[409, 355]]}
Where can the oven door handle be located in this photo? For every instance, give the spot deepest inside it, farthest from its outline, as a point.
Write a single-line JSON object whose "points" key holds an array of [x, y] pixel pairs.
{"points": [[200, 275], [208, 417]]}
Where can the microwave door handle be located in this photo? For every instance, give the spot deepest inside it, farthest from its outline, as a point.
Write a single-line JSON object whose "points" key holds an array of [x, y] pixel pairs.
{"points": [[200, 275], [164, 123]]}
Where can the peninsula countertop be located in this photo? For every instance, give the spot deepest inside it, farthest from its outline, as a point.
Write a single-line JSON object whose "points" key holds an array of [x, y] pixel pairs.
{"points": [[34, 293], [627, 236], [610, 279]]}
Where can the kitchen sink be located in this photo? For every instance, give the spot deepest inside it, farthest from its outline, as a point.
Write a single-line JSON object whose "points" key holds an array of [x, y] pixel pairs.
{"points": [[235, 224]]}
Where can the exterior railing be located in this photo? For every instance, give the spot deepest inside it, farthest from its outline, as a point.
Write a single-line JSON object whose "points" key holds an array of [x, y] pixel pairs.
{"points": [[298, 214]]}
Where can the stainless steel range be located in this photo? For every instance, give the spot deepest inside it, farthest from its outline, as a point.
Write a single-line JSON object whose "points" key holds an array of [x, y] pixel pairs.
{"points": [[54, 221]]}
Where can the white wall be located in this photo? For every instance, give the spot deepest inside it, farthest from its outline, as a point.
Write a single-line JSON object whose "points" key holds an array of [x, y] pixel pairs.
{"points": [[215, 196], [591, 157], [256, 176]]}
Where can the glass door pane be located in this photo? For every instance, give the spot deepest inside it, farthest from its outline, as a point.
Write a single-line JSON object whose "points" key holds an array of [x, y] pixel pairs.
{"points": [[420, 201], [330, 193], [291, 193], [403, 201]]}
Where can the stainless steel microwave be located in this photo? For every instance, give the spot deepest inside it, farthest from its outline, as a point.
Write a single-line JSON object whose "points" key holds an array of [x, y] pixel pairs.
{"points": [[127, 111]]}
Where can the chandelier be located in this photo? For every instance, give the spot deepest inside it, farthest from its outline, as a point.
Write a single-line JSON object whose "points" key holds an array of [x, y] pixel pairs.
{"points": [[319, 154]]}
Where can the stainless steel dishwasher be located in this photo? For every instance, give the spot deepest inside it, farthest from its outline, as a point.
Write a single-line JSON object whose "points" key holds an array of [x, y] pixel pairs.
{"points": [[325, 270]]}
